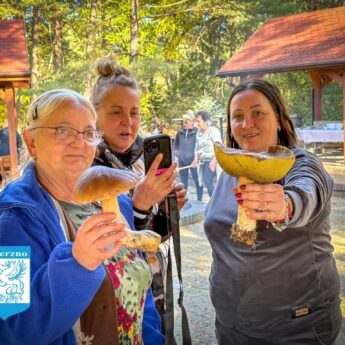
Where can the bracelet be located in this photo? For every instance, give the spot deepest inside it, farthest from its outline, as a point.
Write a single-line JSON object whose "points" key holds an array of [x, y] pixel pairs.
{"points": [[140, 213], [281, 225]]}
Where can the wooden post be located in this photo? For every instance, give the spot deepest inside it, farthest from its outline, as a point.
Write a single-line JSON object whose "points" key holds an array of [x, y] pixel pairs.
{"points": [[339, 78], [316, 80], [8, 96], [344, 112]]}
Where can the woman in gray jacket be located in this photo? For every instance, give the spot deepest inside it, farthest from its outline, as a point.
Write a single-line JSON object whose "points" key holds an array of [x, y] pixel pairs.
{"points": [[204, 157], [286, 290]]}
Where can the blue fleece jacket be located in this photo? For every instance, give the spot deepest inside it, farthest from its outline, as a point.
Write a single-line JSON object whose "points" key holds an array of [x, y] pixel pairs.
{"points": [[61, 289]]}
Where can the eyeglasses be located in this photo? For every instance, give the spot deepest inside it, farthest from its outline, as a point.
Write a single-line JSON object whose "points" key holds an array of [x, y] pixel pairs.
{"points": [[92, 137]]}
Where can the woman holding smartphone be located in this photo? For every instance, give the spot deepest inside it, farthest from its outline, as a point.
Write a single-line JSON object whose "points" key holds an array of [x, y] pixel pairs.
{"points": [[116, 98]]}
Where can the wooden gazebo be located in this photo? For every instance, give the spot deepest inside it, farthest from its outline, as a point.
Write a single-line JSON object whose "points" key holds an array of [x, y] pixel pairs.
{"points": [[312, 42], [14, 74]]}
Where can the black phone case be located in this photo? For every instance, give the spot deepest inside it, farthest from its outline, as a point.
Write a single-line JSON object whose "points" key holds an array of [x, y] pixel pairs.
{"points": [[154, 145]]}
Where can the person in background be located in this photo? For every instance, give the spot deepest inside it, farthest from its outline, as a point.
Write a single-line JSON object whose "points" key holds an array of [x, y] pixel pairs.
{"points": [[286, 290], [184, 147], [116, 98], [5, 141], [204, 157], [85, 287]]}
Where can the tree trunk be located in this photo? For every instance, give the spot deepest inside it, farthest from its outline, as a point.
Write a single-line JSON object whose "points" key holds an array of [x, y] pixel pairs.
{"points": [[57, 44], [134, 43], [34, 53], [90, 46]]}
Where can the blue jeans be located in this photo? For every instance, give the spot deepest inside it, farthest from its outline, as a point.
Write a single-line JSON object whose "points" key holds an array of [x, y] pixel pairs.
{"points": [[207, 176], [184, 178]]}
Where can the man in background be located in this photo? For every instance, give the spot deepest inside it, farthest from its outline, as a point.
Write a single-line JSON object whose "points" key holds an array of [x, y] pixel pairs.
{"points": [[4, 141], [184, 147]]}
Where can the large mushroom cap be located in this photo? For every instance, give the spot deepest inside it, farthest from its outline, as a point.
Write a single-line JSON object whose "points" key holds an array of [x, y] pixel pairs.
{"points": [[99, 183], [265, 167]]}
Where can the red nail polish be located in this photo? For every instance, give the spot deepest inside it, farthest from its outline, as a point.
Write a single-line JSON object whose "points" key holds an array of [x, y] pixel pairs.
{"points": [[240, 201], [238, 195], [243, 187]]}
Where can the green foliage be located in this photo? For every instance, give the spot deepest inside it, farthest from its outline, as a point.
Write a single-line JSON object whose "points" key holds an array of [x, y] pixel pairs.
{"points": [[183, 44], [207, 103]]}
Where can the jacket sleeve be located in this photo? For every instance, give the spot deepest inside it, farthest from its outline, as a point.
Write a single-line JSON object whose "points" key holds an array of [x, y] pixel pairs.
{"points": [[61, 289], [309, 186], [152, 334]]}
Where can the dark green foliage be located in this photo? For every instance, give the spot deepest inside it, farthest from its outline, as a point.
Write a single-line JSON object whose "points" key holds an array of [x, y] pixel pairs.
{"points": [[183, 43]]}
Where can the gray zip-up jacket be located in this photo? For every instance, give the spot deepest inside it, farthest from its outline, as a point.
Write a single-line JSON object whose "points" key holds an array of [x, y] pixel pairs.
{"points": [[256, 290]]}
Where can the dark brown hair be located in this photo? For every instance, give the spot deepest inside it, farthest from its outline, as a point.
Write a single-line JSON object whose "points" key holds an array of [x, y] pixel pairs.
{"points": [[286, 135]]}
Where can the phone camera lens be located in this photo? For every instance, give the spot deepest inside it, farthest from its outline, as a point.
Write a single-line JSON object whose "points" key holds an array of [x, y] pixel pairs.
{"points": [[149, 147], [155, 145]]}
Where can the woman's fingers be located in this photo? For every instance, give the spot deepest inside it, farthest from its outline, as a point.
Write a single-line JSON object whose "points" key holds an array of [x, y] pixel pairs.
{"points": [[262, 201], [153, 188], [103, 229], [94, 220], [98, 232], [109, 238], [155, 164]]}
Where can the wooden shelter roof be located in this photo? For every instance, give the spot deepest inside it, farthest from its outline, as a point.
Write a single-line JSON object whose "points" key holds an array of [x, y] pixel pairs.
{"points": [[291, 43], [14, 65]]}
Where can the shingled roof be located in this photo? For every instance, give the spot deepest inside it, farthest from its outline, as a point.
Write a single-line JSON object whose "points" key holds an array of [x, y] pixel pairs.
{"points": [[13, 56], [292, 43]]}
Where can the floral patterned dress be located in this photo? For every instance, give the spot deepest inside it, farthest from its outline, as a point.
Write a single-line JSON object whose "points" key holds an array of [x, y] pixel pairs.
{"points": [[131, 277]]}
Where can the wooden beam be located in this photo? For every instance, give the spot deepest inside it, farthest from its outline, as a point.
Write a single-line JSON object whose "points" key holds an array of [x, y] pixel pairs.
{"points": [[325, 81], [336, 77], [16, 84]]}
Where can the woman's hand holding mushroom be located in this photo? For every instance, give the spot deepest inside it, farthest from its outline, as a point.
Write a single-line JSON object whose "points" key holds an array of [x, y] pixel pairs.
{"points": [[98, 232], [153, 188], [262, 201], [105, 184]]}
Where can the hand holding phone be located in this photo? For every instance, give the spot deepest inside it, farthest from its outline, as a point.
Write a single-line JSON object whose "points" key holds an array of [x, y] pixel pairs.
{"points": [[155, 185]]}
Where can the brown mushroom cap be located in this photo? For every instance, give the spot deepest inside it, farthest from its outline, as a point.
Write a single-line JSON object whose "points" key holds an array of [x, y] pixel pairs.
{"points": [[99, 183]]}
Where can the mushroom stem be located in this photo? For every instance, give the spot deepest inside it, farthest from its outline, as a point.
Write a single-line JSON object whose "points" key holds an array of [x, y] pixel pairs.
{"points": [[112, 205], [144, 240], [245, 229]]}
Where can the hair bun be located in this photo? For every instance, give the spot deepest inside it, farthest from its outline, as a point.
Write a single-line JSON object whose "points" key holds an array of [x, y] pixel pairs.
{"points": [[108, 67]]}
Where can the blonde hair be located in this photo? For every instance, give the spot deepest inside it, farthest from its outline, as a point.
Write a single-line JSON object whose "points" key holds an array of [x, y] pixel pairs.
{"points": [[110, 75], [44, 105]]}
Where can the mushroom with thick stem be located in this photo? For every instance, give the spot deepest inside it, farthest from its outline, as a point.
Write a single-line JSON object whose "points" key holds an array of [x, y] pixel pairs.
{"points": [[252, 167], [99, 183]]}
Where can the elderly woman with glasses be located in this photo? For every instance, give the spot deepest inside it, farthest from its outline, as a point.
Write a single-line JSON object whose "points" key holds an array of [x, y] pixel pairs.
{"points": [[77, 261]]}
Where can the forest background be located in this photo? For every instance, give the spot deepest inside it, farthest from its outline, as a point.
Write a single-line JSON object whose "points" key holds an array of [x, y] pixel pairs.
{"points": [[175, 49]]}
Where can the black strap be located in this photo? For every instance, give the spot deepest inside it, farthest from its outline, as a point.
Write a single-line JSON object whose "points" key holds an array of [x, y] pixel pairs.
{"points": [[169, 311], [174, 227]]}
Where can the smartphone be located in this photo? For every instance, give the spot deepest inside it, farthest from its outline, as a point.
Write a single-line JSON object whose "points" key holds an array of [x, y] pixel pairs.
{"points": [[157, 144]]}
